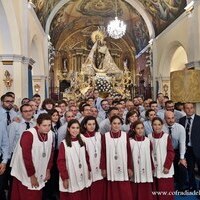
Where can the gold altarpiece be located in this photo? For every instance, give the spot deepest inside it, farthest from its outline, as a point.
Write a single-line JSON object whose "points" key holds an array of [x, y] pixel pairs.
{"points": [[185, 85], [89, 61]]}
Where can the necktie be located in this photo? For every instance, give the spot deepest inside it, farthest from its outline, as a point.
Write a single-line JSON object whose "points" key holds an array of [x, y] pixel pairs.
{"points": [[106, 115], [170, 131], [187, 130], [8, 118], [27, 125], [56, 137]]}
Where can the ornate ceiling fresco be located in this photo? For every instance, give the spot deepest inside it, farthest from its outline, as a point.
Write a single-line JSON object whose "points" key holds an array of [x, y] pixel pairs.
{"points": [[163, 12], [76, 15], [73, 17]]}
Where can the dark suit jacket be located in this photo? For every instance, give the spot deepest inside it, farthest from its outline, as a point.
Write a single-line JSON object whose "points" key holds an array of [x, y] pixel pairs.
{"points": [[195, 134]]}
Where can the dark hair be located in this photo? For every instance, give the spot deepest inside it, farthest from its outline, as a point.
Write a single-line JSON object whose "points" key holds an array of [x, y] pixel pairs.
{"points": [[116, 117], [85, 121], [47, 101], [166, 97], [111, 109], [89, 98], [157, 118], [103, 101], [5, 95], [68, 135], [168, 102], [132, 132], [80, 105], [115, 102], [152, 102], [51, 112], [148, 111], [177, 105], [42, 117], [129, 114], [159, 94], [62, 102], [24, 105], [58, 123], [83, 107], [11, 93], [24, 100], [36, 95]]}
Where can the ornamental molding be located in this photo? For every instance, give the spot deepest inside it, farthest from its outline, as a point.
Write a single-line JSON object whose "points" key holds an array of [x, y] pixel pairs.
{"points": [[16, 58]]}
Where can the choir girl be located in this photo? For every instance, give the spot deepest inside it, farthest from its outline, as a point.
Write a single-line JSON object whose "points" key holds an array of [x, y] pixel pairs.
{"points": [[163, 156], [92, 139], [116, 161], [142, 163], [73, 165], [32, 160]]}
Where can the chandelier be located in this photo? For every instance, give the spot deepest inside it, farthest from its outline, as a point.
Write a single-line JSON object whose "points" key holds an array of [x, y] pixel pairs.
{"points": [[116, 28]]}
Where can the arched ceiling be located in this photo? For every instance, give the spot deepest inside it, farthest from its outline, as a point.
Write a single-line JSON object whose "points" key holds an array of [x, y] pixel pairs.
{"points": [[78, 14]]}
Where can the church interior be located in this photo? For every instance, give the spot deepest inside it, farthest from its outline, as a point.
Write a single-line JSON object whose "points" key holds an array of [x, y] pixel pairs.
{"points": [[62, 49], [145, 54]]}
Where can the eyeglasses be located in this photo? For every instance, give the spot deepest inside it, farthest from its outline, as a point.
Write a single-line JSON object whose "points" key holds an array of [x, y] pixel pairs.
{"points": [[9, 101], [25, 111]]}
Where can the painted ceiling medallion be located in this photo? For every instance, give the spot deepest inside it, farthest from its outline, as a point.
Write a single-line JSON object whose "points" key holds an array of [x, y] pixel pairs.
{"points": [[103, 8]]}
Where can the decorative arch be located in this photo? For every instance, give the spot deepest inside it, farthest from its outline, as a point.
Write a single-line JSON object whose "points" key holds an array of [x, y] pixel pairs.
{"points": [[171, 59], [179, 59], [137, 5], [174, 58]]}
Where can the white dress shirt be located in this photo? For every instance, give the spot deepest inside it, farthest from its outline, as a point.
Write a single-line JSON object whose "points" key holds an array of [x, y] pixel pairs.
{"points": [[178, 137], [15, 131], [105, 126]]}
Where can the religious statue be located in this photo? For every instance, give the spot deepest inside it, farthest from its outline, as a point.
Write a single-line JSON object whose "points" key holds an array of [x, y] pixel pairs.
{"points": [[99, 54], [65, 64], [99, 71]]}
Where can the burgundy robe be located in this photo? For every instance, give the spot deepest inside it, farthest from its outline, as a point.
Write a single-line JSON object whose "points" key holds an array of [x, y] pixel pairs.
{"points": [[19, 191], [117, 190], [98, 188], [142, 191], [61, 162], [165, 184]]}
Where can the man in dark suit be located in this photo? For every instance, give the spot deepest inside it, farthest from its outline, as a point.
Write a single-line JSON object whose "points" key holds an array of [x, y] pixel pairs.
{"points": [[191, 122]]}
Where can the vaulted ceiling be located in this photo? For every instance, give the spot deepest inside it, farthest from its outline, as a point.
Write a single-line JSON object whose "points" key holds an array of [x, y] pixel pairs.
{"points": [[76, 15]]}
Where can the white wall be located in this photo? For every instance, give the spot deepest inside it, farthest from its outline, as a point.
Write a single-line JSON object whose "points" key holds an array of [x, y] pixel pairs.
{"points": [[21, 39], [180, 39]]}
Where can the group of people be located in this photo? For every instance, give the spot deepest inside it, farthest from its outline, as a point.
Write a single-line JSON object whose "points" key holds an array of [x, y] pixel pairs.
{"points": [[101, 149]]}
